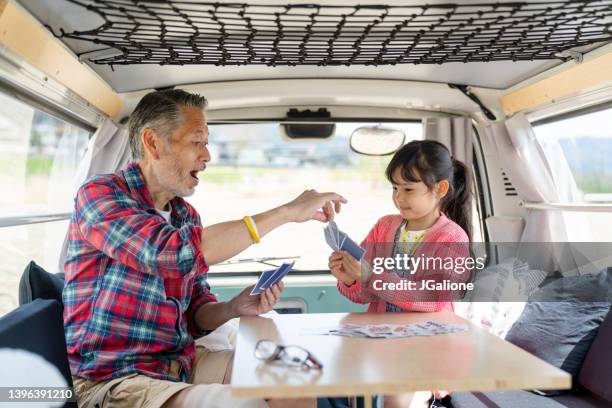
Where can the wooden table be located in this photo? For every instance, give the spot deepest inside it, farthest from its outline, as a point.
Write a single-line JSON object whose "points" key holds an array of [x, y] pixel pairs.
{"points": [[467, 361]]}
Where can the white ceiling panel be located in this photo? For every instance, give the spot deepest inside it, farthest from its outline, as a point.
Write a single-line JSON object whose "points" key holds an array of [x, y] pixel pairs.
{"points": [[125, 78]]}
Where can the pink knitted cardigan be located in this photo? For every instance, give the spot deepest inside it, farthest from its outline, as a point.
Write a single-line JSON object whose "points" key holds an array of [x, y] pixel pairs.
{"points": [[443, 231]]}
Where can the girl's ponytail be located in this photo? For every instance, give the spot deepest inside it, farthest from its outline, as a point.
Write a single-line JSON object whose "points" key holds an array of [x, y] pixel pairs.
{"points": [[456, 205]]}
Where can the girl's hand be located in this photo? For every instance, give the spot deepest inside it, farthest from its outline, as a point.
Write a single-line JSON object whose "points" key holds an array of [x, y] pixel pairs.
{"points": [[336, 267], [351, 266]]}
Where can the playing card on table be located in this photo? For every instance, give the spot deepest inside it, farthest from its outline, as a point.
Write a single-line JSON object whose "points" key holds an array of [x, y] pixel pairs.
{"points": [[349, 330], [393, 331], [379, 330]]}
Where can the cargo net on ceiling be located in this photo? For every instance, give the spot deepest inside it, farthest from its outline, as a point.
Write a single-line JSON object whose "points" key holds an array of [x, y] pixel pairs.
{"points": [[194, 32]]}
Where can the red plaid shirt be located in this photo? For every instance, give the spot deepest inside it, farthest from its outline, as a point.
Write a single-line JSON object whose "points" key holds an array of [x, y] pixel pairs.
{"points": [[133, 281]]}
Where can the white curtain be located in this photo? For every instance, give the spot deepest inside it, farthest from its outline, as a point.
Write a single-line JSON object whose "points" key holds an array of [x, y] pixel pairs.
{"points": [[108, 151], [527, 168], [524, 162], [455, 133]]}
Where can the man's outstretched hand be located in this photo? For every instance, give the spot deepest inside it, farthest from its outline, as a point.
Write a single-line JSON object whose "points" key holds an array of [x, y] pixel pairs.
{"points": [[246, 305], [312, 205]]}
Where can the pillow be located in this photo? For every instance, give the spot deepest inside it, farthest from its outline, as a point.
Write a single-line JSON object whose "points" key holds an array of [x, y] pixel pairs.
{"points": [[509, 281], [561, 320], [502, 316], [37, 283], [499, 294]]}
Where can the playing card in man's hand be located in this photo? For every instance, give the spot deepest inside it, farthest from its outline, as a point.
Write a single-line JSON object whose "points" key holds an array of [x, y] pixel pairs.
{"points": [[269, 278]]}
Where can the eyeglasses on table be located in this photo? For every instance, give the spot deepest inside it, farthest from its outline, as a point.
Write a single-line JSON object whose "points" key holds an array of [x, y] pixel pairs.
{"points": [[294, 356]]}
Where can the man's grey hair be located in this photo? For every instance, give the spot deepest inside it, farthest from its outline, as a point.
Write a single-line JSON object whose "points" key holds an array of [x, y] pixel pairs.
{"points": [[160, 111]]}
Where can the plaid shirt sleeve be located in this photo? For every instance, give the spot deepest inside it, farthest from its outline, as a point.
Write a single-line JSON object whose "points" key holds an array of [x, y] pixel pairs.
{"points": [[200, 295], [113, 222]]}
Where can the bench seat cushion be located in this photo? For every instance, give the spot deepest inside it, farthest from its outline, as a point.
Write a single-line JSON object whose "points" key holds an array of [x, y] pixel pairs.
{"points": [[524, 399], [596, 372]]}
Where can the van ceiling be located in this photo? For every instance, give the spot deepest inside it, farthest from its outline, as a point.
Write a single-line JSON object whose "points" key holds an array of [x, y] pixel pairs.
{"points": [[70, 17]]}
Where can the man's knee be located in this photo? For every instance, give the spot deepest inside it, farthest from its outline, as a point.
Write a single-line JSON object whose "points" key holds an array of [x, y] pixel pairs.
{"points": [[211, 396], [228, 370]]}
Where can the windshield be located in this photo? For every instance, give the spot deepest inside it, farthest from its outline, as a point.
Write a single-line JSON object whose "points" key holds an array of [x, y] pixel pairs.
{"points": [[254, 168]]}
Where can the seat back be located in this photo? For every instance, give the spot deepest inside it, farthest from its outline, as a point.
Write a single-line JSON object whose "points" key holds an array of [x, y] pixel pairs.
{"points": [[38, 327], [596, 370], [36, 283]]}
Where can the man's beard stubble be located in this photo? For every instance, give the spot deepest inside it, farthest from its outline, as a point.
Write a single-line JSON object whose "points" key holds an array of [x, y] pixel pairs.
{"points": [[168, 175]]}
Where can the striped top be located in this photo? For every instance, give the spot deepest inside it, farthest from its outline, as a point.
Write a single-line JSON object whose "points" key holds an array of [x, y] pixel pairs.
{"points": [[406, 242]]}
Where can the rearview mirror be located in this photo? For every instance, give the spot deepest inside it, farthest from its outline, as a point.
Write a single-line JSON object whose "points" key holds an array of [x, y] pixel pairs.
{"points": [[377, 141]]}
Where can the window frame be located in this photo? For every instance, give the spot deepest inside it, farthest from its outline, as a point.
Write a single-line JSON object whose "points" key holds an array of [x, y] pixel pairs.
{"points": [[572, 114]]}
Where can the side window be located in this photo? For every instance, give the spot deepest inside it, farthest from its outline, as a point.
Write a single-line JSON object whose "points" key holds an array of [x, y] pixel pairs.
{"points": [[578, 150], [39, 156]]}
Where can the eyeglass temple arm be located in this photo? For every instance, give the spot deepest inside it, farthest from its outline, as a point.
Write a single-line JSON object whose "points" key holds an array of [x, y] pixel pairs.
{"points": [[316, 363]]}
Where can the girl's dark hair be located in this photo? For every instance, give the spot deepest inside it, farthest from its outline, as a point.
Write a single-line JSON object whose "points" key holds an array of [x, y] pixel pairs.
{"points": [[430, 162]]}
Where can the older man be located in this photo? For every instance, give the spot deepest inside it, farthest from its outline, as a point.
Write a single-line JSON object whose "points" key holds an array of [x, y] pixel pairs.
{"points": [[136, 294]]}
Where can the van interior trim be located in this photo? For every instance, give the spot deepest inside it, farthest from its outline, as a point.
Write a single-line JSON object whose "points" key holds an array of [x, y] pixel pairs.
{"points": [[24, 36], [340, 114], [590, 208], [574, 113], [27, 84], [345, 97], [464, 89], [332, 121], [588, 102], [481, 188], [590, 74], [26, 219]]}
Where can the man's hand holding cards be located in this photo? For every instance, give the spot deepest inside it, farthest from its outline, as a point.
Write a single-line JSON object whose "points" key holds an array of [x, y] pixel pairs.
{"points": [[340, 241], [269, 278]]}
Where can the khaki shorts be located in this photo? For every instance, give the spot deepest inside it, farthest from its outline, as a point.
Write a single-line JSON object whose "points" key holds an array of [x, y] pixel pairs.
{"points": [[137, 390]]}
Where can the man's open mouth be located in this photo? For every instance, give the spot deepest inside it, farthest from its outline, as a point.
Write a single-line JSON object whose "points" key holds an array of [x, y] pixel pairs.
{"points": [[194, 174]]}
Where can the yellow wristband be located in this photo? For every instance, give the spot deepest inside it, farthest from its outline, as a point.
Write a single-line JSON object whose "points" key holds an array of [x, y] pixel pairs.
{"points": [[252, 228]]}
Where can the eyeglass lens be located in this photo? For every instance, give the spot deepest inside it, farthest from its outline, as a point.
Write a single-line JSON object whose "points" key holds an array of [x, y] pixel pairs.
{"points": [[293, 355], [265, 349]]}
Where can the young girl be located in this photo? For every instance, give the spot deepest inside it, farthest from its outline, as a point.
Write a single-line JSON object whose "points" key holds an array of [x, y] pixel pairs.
{"points": [[431, 191]]}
